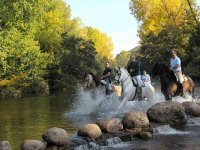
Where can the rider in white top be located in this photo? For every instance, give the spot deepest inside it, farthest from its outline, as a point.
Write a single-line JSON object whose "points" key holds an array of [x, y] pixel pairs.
{"points": [[175, 64], [145, 77]]}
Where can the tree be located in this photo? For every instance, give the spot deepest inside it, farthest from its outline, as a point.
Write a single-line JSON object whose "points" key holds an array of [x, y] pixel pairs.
{"points": [[81, 56], [123, 58]]}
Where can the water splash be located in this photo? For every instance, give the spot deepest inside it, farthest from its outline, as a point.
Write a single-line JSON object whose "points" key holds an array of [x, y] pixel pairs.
{"points": [[90, 146], [193, 122], [113, 141], [167, 130], [86, 103], [103, 106]]}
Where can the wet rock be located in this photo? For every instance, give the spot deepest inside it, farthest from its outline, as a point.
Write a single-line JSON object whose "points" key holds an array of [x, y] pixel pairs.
{"points": [[5, 145], [90, 130], [33, 145], [145, 135], [166, 112], [57, 136], [192, 108], [135, 120], [110, 125]]}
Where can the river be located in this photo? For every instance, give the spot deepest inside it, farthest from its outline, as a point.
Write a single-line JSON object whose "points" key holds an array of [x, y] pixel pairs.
{"points": [[28, 118]]}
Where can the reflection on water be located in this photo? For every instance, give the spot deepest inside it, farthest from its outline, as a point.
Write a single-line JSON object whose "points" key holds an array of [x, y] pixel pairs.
{"points": [[28, 118]]}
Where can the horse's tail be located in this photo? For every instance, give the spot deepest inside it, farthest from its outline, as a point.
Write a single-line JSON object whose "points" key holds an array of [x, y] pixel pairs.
{"points": [[192, 86]]}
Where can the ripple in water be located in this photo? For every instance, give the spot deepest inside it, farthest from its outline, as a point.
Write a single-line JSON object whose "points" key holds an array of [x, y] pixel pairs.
{"points": [[193, 122], [166, 130]]}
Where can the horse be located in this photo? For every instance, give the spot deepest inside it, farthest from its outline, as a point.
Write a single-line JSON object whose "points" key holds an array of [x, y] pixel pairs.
{"points": [[170, 87], [91, 81], [94, 84], [129, 91]]}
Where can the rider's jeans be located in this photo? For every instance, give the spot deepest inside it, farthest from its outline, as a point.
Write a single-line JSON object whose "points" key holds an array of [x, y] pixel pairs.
{"points": [[107, 83], [139, 80]]}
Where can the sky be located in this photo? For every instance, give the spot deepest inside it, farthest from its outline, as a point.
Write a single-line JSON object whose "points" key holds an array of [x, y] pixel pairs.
{"points": [[110, 16]]}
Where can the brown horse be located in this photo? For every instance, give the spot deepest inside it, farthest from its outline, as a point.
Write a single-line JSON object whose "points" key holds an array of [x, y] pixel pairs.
{"points": [[170, 87], [93, 83]]}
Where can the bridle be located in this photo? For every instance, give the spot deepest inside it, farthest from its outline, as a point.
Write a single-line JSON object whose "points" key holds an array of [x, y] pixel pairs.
{"points": [[118, 82], [119, 73]]}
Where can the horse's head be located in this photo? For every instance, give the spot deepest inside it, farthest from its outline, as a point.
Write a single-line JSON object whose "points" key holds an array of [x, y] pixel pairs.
{"points": [[118, 75], [87, 80], [90, 80], [156, 69]]}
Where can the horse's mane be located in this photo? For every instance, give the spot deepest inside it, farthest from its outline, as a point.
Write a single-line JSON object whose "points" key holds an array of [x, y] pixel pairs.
{"points": [[170, 72], [96, 80]]}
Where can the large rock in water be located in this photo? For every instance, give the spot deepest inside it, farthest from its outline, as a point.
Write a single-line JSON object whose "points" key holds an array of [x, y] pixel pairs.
{"points": [[33, 145], [5, 145], [56, 136], [110, 125], [166, 112], [90, 130], [135, 120], [192, 108]]}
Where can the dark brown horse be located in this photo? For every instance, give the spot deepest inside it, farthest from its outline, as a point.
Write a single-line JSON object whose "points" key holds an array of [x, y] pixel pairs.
{"points": [[170, 87]]}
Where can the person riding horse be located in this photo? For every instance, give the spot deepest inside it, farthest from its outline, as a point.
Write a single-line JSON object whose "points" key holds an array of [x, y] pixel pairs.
{"points": [[133, 68], [175, 66], [106, 77]]}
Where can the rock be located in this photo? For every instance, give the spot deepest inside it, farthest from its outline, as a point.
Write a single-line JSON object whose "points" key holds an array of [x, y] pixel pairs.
{"points": [[90, 130], [5, 145], [166, 112], [33, 145], [56, 136], [135, 120], [110, 125], [192, 108], [145, 135]]}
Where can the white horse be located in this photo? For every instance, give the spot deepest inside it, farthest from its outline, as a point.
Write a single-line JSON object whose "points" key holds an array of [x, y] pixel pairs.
{"points": [[129, 91]]}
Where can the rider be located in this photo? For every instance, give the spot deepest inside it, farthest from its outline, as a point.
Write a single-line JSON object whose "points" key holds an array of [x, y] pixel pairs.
{"points": [[133, 68], [107, 76], [175, 66], [145, 77]]}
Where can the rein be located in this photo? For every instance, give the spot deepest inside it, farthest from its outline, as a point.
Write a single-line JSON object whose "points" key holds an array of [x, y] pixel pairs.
{"points": [[125, 80]]}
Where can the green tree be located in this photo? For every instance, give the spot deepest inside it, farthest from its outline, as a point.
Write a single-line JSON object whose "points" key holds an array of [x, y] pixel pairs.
{"points": [[123, 58]]}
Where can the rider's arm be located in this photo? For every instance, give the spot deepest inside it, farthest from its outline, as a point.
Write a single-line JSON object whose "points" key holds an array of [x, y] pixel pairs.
{"points": [[107, 75], [178, 64], [175, 67]]}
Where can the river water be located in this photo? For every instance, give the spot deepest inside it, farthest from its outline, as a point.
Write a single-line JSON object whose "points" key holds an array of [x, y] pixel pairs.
{"points": [[28, 118]]}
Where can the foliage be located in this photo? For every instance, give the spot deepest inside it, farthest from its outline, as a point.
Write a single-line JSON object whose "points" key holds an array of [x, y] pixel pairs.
{"points": [[39, 43], [81, 56], [166, 25], [123, 58]]}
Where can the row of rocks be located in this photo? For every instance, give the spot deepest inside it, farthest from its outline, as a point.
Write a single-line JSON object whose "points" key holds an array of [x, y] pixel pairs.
{"points": [[169, 112], [137, 124]]}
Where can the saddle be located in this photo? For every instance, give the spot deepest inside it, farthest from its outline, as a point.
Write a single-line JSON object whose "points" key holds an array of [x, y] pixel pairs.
{"points": [[184, 77]]}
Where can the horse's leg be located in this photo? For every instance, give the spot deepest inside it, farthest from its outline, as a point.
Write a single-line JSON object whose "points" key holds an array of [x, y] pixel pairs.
{"points": [[183, 92], [166, 95], [192, 92]]}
